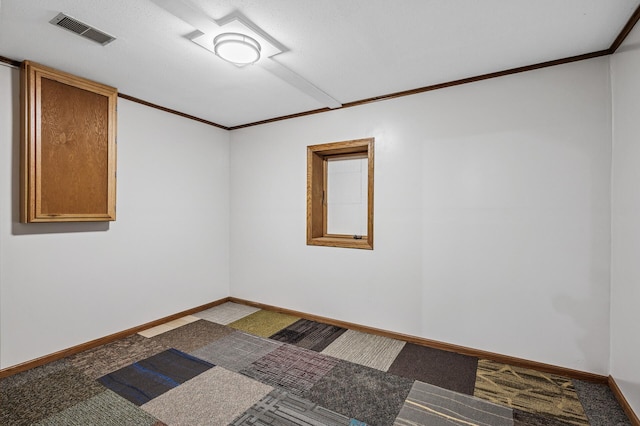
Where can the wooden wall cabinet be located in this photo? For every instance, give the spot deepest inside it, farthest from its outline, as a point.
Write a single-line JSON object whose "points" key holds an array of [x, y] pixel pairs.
{"points": [[68, 149]]}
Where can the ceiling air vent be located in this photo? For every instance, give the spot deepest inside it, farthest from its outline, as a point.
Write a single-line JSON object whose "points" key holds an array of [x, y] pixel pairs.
{"points": [[77, 27]]}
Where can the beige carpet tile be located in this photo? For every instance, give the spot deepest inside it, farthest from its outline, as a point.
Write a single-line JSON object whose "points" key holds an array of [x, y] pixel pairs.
{"points": [[226, 313], [110, 357], [215, 397], [264, 323], [530, 391], [163, 328], [365, 349], [105, 409]]}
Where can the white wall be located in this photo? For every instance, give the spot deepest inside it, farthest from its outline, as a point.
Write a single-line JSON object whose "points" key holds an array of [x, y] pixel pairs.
{"points": [[65, 284], [492, 216], [625, 282]]}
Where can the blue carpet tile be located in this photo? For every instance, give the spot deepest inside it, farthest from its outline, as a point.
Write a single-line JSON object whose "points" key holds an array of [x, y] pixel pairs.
{"points": [[144, 380]]}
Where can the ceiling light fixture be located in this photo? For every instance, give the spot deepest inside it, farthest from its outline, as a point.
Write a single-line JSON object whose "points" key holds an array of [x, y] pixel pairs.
{"points": [[239, 49]]}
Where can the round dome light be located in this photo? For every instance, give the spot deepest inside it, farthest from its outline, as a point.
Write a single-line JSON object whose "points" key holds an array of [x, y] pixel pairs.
{"points": [[239, 49]]}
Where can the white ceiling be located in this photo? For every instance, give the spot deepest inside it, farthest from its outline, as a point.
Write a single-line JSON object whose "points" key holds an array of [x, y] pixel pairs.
{"points": [[349, 49]]}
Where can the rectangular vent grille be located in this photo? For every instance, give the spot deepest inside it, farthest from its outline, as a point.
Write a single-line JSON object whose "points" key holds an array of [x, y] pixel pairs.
{"points": [[77, 27]]}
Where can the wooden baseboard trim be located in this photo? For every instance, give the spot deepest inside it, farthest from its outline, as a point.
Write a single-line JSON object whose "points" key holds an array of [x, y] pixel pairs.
{"points": [[5, 372], [633, 417], [567, 372]]}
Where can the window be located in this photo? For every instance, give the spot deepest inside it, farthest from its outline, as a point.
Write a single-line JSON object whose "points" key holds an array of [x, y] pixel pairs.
{"points": [[340, 194]]}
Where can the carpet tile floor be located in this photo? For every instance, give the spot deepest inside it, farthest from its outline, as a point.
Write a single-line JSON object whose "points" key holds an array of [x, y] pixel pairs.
{"points": [[238, 365]]}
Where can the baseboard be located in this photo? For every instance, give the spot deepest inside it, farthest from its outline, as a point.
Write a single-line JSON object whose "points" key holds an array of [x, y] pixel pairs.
{"points": [[633, 417], [520, 362], [103, 340]]}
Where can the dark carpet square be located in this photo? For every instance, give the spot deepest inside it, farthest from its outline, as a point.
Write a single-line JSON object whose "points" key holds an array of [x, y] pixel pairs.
{"points": [[144, 380], [360, 392], [522, 418], [290, 367], [309, 334], [600, 404], [190, 337], [280, 408], [41, 393], [444, 369]]}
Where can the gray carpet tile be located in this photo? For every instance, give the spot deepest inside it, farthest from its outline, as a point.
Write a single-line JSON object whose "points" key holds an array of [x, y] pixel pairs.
{"points": [[448, 370], [365, 349], [434, 406], [40, 397], [215, 397], [523, 418], [236, 351], [309, 334], [281, 408], [290, 367], [192, 336], [110, 357], [104, 409], [360, 392], [226, 313], [600, 405]]}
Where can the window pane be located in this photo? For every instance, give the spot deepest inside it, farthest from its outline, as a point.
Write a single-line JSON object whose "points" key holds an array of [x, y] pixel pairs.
{"points": [[347, 196]]}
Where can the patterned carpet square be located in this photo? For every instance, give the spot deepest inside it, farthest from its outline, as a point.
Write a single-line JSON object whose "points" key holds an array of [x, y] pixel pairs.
{"points": [[434, 406], [281, 408], [309, 334], [226, 313], [215, 397], [112, 356], [447, 370], [264, 323], [529, 390], [363, 393], [147, 379], [105, 409], [41, 394], [293, 368], [236, 351], [192, 336], [365, 349]]}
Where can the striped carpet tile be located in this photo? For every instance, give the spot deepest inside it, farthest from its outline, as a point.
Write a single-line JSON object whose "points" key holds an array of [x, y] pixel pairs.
{"points": [[434, 406], [365, 349], [281, 408], [309, 334]]}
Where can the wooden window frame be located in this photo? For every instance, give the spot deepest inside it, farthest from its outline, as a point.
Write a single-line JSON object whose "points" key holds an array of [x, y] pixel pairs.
{"points": [[32, 192], [317, 157]]}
